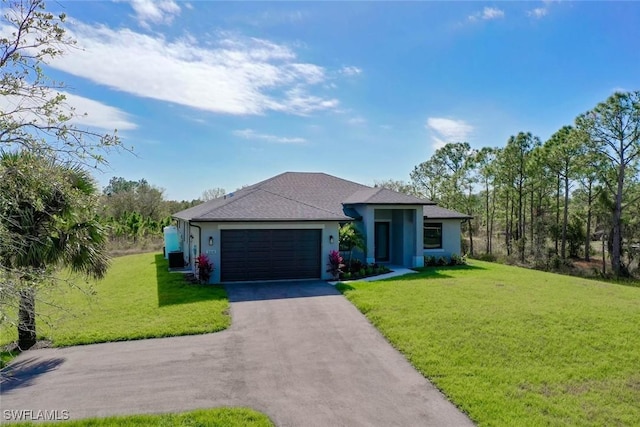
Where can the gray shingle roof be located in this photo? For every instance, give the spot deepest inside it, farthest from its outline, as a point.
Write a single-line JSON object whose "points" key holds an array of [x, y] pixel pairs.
{"points": [[436, 212], [295, 196], [384, 196]]}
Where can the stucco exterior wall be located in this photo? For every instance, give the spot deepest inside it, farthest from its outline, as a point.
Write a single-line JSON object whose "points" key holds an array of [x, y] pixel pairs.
{"points": [[450, 238], [405, 232], [212, 229]]}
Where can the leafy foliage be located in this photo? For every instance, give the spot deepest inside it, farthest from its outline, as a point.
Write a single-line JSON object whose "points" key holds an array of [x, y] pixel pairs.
{"points": [[335, 264], [205, 268], [532, 201], [35, 115], [350, 239], [49, 211]]}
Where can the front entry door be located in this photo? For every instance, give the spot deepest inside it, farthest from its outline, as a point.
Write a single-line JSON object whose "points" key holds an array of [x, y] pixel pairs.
{"points": [[381, 251]]}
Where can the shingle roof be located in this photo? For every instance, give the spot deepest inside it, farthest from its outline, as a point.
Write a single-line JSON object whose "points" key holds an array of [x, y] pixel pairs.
{"points": [[384, 196], [436, 212], [295, 196]]}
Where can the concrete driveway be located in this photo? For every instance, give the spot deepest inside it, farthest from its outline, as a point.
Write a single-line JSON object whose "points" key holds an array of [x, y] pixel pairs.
{"points": [[299, 352]]}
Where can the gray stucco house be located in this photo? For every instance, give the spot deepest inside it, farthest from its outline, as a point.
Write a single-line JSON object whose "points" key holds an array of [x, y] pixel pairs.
{"points": [[285, 227]]}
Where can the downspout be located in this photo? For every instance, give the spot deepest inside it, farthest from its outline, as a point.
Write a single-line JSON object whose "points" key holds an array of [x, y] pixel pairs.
{"points": [[199, 240]]}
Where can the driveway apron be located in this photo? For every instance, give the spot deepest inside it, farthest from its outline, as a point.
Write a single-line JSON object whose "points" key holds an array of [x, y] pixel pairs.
{"points": [[297, 351]]}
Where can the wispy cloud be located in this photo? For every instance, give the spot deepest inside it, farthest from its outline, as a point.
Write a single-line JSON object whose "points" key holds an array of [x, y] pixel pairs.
{"points": [[543, 10], [230, 74], [350, 71], [95, 114], [155, 11], [84, 112], [445, 130], [487, 14], [538, 12], [252, 134]]}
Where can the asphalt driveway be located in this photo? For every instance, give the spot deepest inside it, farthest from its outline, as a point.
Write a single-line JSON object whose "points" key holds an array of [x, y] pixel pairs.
{"points": [[299, 352]]}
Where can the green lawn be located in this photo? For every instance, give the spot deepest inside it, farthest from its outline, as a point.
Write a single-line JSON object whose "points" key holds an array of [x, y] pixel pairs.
{"points": [[219, 417], [137, 299], [512, 346]]}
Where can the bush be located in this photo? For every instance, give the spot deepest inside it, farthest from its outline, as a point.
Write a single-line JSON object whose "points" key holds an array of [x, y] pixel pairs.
{"points": [[442, 261], [335, 264], [205, 268], [429, 261], [457, 260], [487, 257]]}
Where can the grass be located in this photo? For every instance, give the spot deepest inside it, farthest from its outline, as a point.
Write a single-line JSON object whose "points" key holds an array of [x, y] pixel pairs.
{"points": [[137, 299], [219, 417], [512, 346]]}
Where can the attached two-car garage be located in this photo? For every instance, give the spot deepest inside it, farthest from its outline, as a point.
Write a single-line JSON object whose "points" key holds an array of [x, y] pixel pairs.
{"points": [[270, 254]]}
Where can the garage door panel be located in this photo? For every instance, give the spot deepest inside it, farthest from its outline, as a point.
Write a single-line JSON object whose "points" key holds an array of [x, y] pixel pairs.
{"points": [[272, 254]]}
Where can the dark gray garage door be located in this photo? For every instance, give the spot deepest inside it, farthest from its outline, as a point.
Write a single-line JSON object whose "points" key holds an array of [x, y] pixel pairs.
{"points": [[269, 254]]}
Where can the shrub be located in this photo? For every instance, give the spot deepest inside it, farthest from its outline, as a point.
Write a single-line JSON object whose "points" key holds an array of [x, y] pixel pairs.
{"points": [[335, 264], [429, 261], [441, 261], [205, 268], [457, 260], [487, 257]]}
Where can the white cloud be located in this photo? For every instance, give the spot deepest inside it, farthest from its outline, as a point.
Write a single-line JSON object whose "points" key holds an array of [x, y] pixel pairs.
{"points": [[87, 113], [350, 71], [230, 75], [538, 12], [448, 130], [98, 115], [155, 11], [488, 13], [251, 134]]}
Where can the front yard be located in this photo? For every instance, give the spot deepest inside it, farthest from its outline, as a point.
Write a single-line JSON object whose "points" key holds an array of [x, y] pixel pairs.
{"points": [[512, 346], [138, 299]]}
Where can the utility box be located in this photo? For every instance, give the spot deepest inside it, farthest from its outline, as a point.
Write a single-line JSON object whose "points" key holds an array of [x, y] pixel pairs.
{"points": [[176, 259]]}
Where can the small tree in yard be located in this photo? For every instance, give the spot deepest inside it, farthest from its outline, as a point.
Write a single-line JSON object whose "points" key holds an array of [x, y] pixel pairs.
{"points": [[49, 219], [47, 199], [351, 238]]}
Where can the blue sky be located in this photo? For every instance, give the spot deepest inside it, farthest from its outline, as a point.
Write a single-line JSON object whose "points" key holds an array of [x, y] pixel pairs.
{"points": [[225, 94]]}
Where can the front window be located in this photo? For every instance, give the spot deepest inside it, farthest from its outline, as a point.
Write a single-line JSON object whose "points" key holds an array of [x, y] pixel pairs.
{"points": [[432, 235]]}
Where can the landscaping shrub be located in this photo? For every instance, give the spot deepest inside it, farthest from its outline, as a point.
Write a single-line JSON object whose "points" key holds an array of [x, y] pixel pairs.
{"points": [[488, 257]]}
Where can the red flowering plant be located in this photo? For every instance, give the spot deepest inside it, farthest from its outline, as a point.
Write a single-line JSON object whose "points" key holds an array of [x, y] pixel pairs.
{"points": [[205, 268], [335, 264]]}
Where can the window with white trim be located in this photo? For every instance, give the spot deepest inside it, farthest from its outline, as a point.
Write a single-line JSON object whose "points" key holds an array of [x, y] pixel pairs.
{"points": [[432, 235]]}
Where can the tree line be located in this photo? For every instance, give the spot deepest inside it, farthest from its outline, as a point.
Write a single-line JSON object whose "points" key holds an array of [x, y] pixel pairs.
{"points": [[136, 210], [539, 201]]}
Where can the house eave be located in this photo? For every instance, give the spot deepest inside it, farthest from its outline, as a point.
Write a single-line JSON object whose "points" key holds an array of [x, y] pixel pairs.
{"points": [[270, 219]]}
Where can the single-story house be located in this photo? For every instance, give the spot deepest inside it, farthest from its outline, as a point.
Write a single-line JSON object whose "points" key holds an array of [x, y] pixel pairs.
{"points": [[286, 226]]}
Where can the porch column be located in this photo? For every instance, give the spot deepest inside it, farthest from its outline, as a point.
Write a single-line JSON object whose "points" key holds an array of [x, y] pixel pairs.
{"points": [[369, 220], [418, 258]]}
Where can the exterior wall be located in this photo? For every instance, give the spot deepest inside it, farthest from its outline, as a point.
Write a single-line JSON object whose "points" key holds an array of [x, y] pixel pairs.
{"points": [[405, 233], [450, 238], [212, 229], [183, 238]]}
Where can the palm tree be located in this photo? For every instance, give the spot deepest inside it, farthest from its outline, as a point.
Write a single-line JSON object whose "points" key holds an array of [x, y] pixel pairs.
{"points": [[48, 209]]}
